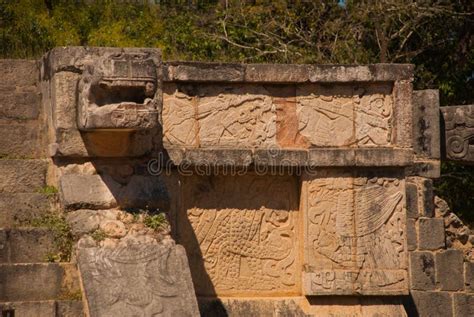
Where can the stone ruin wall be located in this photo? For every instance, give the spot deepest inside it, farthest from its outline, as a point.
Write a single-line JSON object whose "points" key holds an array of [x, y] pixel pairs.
{"points": [[291, 190]]}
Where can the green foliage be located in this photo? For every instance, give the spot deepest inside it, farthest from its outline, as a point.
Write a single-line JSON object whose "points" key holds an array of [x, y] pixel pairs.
{"points": [[48, 190], [155, 222], [98, 235], [63, 238], [434, 35]]}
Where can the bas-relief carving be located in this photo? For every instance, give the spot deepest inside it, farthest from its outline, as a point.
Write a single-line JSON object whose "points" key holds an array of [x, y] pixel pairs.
{"points": [[288, 116], [345, 115], [459, 132], [244, 231], [137, 280], [120, 90], [212, 115], [355, 235]]}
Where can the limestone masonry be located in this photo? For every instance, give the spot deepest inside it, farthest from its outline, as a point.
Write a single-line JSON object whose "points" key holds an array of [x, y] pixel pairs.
{"points": [[188, 189]]}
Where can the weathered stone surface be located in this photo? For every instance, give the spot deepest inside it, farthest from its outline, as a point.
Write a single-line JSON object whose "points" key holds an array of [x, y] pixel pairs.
{"points": [[412, 235], [422, 271], [257, 116], [469, 276], [19, 208], [283, 73], [22, 176], [402, 114], [463, 305], [68, 308], [425, 168], [120, 91], [458, 130], [21, 105], [383, 157], [430, 234], [19, 140], [355, 234], [206, 72], [449, 270], [241, 234], [427, 197], [352, 306], [84, 221], [34, 282], [88, 191], [433, 304], [351, 73], [29, 245], [145, 279], [235, 307], [426, 135], [19, 72], [412, 200], [30, 309]]}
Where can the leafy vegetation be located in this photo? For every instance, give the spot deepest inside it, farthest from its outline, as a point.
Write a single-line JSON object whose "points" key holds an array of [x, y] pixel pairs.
{"points": [[434, 35], [63, 238], [156, 221], [48, 190], [98, 235]]}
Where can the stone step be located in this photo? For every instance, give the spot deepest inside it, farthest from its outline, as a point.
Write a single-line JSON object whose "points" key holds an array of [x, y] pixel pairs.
{"points": [[18, 209], [27, 245], [22, 176], [62, 308], [19, 72], [38, 282], [20, 139], [19, 104]]}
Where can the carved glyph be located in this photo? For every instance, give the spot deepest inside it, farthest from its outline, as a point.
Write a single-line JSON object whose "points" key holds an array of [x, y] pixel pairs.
{"points": [[355, 235], [245, 230], [137, 280], [459, 132]]}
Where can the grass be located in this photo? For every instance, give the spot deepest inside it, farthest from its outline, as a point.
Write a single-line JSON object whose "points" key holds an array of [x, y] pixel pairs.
{"points": [[98, 235], [63, 238], [155, 222], [48, 190]]}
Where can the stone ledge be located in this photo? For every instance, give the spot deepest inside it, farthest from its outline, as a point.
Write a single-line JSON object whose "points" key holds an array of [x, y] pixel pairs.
{"points": [[320, 157], [283, 73]]}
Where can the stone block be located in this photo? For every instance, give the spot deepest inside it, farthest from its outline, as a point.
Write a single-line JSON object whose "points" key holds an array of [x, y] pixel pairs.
{"points": [[348, 73], [431, 234], [64, 100], [469, 276], [463, 305], [120, 91], [383, 157], [4, 246], [88, 191], [69, 308], [19, 140], [422, 271], [30, 245], [458, 128], [349, 219], [19, 208], [412, 200], [30, 309], [19, 72], [427, 198], [203, 72], [412, 235], [402, 114], [425, 168], [433, 304], [331, 157], [32, 282], [449, 270], [252, 217], [273, 73], [149, 279], [22, 176], [426, 134], [21, 105]]}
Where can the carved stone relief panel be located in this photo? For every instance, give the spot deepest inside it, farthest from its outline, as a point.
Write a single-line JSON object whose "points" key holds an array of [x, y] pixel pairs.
{"points": [[354, 234], [218, 115], [137, 280], [459, 132], [284, 116], [240, 233], [345, 115]]}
